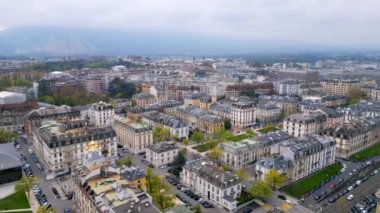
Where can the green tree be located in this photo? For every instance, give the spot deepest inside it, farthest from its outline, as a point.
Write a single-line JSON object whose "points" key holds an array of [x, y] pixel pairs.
{"points": [[215, 154], [197, 209], [6, 136], [178, 163], [25, 184], [355, 96], [183, 151], [126, 160], [227, 124], [43, 209], [162, 197], [274, 179], [225, 167], [197, 137], [121, 89], [185, 141], [157, 133], [260, 190], [242, 174], [165, 134], [149, 180], [250, 132]]}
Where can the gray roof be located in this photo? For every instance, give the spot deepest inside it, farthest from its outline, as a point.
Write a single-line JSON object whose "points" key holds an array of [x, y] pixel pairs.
{"points": [[272, 138], [9, 158], [275, 162], [307, 117], [143, 96], [211, 118], [133, 173], [164, 119], [220, 107], [161, 147]]}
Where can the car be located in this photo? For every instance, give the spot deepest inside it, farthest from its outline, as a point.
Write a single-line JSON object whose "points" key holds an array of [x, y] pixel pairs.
{"points": [[247, 210], [201, 200], [331, 200], [317, 197], [66, 211], [350, 197], [162, 167], [376, 171], [350, 174], [340, 180], [323, 193], [207, 205], [358, 182], [30, 150], [151, 165], [282, 197], [333, 186]]}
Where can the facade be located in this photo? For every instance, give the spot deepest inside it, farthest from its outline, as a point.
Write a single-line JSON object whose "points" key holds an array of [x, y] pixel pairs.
{"points": [[370, 92], [61, 146], [95, 85], [282, 165], [308, 76], [288, 104], [300, 125], [101, 113], [239, 154], [354, 135], [199, 100], [222, 110], [260, 88], [135, 176], [120, 105], [165, 106], [176, 126], [144, 99], [340, 87], [134, 136], [209, 181], [161, 153], [12, 116], [267, 113], [209, 123], [308, 155], [243, 114], [334, 101], [288, 87]]}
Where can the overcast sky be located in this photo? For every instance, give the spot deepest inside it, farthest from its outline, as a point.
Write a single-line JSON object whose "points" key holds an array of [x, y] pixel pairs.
{"points": [[333, 22]]}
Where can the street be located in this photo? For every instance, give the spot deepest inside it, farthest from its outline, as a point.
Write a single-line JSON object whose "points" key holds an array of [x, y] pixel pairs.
{"points": [[58, 204]]}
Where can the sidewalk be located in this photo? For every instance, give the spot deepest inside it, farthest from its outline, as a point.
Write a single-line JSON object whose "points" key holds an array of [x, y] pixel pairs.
{"points": [[16, 210], [7, 189]]}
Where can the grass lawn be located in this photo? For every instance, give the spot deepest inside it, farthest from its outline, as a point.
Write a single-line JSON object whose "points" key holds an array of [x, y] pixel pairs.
{"points": [[268, 128], [17, 200], [205, 147], [300, 188], [236, 138], [368, 152]]}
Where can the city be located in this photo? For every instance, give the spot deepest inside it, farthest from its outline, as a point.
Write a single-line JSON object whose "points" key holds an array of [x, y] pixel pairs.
{"points": [[156, 126]]}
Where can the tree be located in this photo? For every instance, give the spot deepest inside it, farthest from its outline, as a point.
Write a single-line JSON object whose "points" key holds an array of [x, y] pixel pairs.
{"points": [[274, 179], [250, 132], [161, 196], [149, 180], [186, 141], [354, 96], [197, 209], [260, 190], [215, 153], [242, 173], [126, 160], [6, 136], [43, 209], [157, 133], [197, 137], [178, 163], [121, 89], [25, 184], [165, 134], [227, 124], [183, 151]]}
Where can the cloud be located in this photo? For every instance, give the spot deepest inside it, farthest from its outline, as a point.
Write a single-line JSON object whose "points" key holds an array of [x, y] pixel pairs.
{"points": [[333, 22]]}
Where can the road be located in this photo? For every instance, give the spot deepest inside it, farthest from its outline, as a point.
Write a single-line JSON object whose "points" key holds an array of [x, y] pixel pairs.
{"points": [[58, 204]]}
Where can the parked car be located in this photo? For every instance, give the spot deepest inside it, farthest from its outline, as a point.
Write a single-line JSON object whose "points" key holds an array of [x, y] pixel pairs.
{"points": [[350, 197]]}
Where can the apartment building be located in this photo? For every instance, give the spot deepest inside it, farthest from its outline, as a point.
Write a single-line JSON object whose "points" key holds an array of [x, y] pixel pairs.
{"points": [[95, 85], [288, 104], [209, 123], [300, 125], [267, 113], [222, 110], [144, 99], [134, 136], [288, 87], [198, 99], [61, 146], [340, 87], [308, 155], [366, 109], [199, 119], [354, 135], [371, 92], [282, 165], [308, 76], [12, 115], [239, 154], [211, 182], [165, 106], [161, 153], [243, 114], [176, 126], [334, 101], [101, 113]]}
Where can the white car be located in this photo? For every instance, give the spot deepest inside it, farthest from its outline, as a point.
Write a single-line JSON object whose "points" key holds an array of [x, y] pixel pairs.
{"points": [[350, 188], [350, 197], [376, 171], [30, 150], [358, 182]]}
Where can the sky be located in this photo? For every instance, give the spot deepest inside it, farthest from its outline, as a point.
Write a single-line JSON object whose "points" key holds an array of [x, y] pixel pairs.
{"points": [[321, 22]]}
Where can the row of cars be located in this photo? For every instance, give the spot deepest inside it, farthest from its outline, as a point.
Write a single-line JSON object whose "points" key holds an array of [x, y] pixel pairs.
{"points": [[41, 197], [189, 193], [35, 159], [366, 205], [26, 166]]}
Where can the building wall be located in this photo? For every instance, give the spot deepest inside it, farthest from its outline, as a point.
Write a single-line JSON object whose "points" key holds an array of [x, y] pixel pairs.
{"points": [[158, 159]]}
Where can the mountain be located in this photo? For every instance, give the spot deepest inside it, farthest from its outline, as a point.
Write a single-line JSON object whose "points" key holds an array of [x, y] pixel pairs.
{"points": [[75, 41]]}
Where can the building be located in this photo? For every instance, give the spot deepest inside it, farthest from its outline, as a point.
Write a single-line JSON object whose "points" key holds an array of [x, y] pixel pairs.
{"points": [[340, 87], [144, 99], [308, 76], [12, 115], [364, 109], [209, 123], [282, 165], [288, 87], [267, 113], [235, 90], [267, 141], [311, 89], [373, 93], [300, 125], [94, 85], [199, 100], [134, 136], [209, 181], [11, 98], [177, 127], [354, 135], [120, 105], [308, 155], [222, 110], [101, 188], [165, 106], [10, 166], [135, 176], [239, 154], [334, 101], [243, 114], [61, 146], [101, 113], [288, 104], [161, 153]]}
